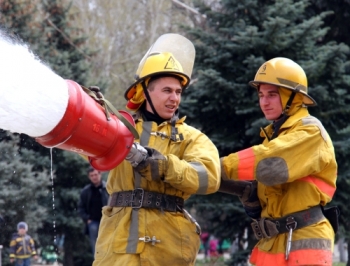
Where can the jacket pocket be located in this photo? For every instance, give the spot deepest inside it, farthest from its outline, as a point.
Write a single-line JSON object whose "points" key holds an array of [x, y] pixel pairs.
{"points": [[179, 243], [108, 224], [190, 240]]}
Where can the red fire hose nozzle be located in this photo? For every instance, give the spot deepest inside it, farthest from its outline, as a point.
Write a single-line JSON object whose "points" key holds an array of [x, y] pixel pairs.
{"points": [[85, 129]]}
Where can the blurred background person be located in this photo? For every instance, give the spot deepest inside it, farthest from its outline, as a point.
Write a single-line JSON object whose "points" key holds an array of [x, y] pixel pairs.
{"points": [[22, 246], [92, 198]]}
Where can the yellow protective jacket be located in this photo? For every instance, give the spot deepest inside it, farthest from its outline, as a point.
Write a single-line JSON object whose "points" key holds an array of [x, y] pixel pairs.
{"points": [[295, 171], [22, 246], [193, 168]]}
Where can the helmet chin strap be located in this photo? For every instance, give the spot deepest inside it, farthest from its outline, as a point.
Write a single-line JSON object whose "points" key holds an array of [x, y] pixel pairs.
{"points": [[174, 131], [289, 102], [148, 97], [284, 116]]}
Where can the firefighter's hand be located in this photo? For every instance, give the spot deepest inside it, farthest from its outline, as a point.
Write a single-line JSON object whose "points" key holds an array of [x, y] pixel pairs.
{"points": [[250, 200], [137, 154], [154, 167]]}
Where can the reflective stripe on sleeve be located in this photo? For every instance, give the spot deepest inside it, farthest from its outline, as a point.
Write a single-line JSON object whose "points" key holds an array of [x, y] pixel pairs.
{"points": [[320, 184], [202, 177], [246, 164]]}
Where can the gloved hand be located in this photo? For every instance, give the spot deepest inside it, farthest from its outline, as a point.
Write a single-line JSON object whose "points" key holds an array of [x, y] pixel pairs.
{"points": [[154, 167], [250, 200]]}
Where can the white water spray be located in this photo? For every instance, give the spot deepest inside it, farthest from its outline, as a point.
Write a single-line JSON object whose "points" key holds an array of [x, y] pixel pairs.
{"points": [[33, 99], [56, 112]]}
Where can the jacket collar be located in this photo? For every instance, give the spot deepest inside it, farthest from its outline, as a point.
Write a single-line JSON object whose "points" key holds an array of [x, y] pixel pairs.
{"points": [[302, 112], [138, 117]]}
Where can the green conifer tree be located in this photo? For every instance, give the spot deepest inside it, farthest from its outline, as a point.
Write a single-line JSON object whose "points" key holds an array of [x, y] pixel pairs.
{"points": [[16, 17], [30, 184], [21, 191], [45, 27]]}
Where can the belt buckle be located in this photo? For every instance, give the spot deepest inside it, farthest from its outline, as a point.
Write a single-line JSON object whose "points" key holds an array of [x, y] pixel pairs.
{"points": [[132, 200], [256, 229], [291, 225]]}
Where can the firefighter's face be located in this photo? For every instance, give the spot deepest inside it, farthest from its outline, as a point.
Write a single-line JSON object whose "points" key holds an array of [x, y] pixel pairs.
{"points": [[165, 94], [270, 101]]}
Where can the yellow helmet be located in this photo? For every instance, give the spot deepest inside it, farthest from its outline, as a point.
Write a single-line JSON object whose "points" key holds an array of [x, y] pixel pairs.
{"points": [[284, 73], [157, 64]]}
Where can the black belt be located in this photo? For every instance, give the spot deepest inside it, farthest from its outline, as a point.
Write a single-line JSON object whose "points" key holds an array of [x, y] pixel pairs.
{"points": [[140, 198], [267, 228]]}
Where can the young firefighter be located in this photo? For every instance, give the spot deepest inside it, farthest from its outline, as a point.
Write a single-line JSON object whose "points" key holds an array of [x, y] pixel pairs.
{"points": [[145, 222], [22, 246], [295, 170]]}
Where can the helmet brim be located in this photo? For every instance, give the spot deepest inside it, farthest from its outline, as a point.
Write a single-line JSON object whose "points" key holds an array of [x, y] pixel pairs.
{"points": [[307, 99], [130, 92]]}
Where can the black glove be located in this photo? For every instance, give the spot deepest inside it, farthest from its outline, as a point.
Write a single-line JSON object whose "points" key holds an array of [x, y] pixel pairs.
{"points": [[154, 167], [150, 163], [250, 200]]}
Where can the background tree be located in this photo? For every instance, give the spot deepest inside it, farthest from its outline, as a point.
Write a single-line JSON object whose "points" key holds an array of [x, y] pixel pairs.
{"points": [[47, 30], [20, 198], [18, 18], [337, 21], [125, 31], [338, 32], [235, 41]]}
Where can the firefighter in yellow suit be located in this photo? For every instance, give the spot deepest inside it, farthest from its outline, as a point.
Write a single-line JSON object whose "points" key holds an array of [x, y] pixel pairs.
{"points": [[145, 222], [295, 170]]}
